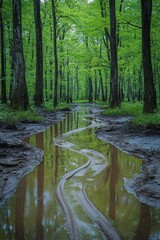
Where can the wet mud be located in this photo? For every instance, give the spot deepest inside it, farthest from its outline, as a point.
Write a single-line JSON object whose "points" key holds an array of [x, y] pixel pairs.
{"points": [[142, 143], [18, 158]]}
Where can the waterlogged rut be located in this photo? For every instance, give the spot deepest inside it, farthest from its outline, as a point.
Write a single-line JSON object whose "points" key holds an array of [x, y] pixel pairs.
{"points": [[96, 162], [78, 191]]}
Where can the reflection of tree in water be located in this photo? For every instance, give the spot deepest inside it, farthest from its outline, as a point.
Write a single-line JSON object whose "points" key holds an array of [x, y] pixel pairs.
{"points": [[19, 211], [113, 181], [56, 153], [144, 226], [40, 180], [112, 172], [69, 122]]}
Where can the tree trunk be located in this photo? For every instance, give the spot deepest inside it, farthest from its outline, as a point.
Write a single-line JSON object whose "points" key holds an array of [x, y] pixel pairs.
{"points": [[55, 54], [68, 82], [77, 83], [45, 77], [38, 96], [19, 96], [101, 85], [149, 89], [114, 91], [90, 89], [3, 58], [106, 33], [11, 58], [61, 81], [95, 87]]}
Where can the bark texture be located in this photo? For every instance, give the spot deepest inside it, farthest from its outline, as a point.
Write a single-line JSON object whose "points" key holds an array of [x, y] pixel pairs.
{"points": [[114, 89], [149, 89], [55, 53], [38, 97], [3, 59], [19, 95]]}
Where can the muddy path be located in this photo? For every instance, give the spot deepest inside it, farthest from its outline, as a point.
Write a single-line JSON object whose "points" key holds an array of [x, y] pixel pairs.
{"points": [[93, 157], [18, 158]]}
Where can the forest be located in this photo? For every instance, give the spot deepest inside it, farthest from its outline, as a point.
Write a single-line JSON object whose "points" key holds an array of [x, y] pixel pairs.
{"points": [[56, 52], [79, 119]]}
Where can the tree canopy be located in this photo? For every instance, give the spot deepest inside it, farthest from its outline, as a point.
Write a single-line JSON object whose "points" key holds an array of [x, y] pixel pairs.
{"points": [[77, 50]]}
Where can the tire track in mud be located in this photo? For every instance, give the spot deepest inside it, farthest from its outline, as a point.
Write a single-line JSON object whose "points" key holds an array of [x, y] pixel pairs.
{"points": [[97, 217]]}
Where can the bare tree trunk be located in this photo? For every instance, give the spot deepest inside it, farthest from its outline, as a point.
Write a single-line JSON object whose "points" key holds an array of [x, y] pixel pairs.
{"points": [[77, 83], [3, 58], [68, 82], [149, 90], [101, 86], [45, 78], [106, 33], [90, 89], [38, 96], [95, 87], [55, 53], [19, 96], [114, 91]]}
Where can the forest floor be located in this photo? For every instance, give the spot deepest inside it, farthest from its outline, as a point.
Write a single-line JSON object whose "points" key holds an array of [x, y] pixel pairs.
{"points": [[18, 158]]}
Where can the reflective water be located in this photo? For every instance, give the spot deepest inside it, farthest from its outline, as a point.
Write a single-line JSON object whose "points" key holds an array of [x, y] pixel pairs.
{"points": [[33, 211]]}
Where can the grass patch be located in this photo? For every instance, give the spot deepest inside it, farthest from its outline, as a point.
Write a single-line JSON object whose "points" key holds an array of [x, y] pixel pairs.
{"points": [[48, 106], [63, 107], [140, 119], [80, 101], [146, 120], [11, 117], [126, 109]]}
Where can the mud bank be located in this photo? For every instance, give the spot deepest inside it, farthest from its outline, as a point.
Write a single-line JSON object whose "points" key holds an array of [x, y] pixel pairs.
{"points": [[143, 143], [17, 158]]}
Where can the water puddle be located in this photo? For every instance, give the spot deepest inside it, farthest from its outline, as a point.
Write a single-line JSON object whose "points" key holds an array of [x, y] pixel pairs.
{"points": [[78, 191]]}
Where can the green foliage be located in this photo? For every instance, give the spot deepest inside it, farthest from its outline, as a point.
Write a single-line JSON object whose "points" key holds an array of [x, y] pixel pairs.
{"points": [[146, 120], [80, 23], [10, 117], [48, 106], [63, 107], [140, 120], [126, 109]]}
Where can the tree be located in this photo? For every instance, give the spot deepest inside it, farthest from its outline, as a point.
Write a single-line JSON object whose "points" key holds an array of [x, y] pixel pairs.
{"points": [[3, 58], [114, 92], [38, 96], [55, 53], [19, 95], [149, 89]]}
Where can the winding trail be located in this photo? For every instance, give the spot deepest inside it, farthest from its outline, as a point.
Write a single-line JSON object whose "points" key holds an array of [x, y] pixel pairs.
{"points": [[98, 218]]}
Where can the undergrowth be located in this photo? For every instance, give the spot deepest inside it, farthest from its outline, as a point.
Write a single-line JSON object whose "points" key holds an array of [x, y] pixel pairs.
{"points": [[126, 109], [136, 110], [12, 117], [146, 120], [48, 106]]}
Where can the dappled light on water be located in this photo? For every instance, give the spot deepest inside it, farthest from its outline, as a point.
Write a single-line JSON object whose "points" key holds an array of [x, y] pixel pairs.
{"points": [[78, 190]]}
